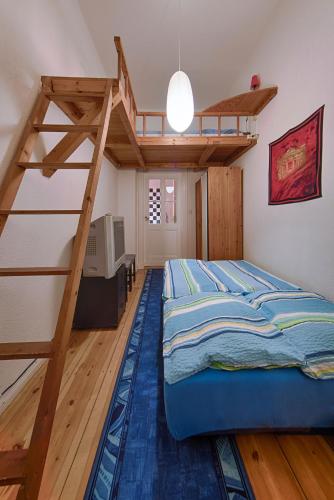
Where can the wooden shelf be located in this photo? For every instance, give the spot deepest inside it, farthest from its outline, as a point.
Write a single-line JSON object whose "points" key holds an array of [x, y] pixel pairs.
{"points": [[248, 104]]}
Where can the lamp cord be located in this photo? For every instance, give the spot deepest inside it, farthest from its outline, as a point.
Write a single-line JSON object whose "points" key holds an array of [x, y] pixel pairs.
{"points": [[179, 33]]}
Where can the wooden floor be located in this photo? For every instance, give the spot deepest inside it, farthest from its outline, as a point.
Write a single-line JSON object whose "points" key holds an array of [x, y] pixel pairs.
{"points": [[289, 467], [91, 369], [280, 467]]}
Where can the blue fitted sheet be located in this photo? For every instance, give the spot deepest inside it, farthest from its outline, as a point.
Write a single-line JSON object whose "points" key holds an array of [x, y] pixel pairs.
{"points": [[214, 401]]}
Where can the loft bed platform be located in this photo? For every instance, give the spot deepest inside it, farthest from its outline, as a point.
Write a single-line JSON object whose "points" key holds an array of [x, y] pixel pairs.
{"points": [[141, 139]]}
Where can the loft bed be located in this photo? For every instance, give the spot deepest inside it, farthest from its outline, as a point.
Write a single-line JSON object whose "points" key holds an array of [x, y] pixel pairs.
{"points": [[218, 136]]}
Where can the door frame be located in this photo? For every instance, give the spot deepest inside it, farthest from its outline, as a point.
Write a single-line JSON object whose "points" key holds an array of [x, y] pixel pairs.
{"points": [[182, 187], [198, 219]]}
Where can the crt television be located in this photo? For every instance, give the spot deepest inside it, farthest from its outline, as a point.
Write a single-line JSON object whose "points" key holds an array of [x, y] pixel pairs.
{"points": [[105, 251]]}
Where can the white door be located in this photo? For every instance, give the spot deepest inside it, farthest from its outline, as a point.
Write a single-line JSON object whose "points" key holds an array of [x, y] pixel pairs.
{"points": [[164, 210]]}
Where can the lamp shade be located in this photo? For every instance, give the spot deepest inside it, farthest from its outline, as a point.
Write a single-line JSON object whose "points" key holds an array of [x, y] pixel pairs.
{"points": [[180, 102]]}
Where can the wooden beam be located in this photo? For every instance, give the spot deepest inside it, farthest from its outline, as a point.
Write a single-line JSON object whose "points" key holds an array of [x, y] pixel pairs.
{"points": [[14, 174], [34, 271], [225, 140], [80, 84], [122, 67], [40, 212], [131, 134], [56, 165], [119, 146], [68, 111], [197, 114], [166, 165], [111, 156], [235, 155], [12, 467], [63, 150], [25, 350], [206, 154], [74, 97], [48, 402], [47, 127]]}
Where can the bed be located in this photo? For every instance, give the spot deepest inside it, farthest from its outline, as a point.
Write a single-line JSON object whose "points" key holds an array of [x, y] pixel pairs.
{"points": [[244, 351]]}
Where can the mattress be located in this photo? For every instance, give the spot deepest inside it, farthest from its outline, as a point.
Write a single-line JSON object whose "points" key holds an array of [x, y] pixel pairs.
{"points": [[215, 401]]}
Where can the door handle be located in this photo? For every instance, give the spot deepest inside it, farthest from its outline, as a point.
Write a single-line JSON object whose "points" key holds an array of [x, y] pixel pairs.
{"points": [[146, 218]]}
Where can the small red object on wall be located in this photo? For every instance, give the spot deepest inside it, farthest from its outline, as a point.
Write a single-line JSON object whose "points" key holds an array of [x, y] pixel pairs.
{"points": [[255, 82]]}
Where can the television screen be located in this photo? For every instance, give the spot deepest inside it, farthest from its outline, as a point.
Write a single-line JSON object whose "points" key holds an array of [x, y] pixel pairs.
{"points": [[119, 239]]}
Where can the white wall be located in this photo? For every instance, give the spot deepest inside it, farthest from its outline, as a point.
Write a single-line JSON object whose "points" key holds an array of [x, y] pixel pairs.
{"points": [[217, 37], [295, 241], [40, 37]]}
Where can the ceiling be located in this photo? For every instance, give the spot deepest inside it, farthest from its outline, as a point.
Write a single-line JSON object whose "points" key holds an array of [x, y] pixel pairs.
{"points": [[217, 38]]}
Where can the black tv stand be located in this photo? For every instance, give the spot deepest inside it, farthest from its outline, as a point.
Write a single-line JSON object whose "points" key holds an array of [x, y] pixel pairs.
{"points": [[101, 302]]}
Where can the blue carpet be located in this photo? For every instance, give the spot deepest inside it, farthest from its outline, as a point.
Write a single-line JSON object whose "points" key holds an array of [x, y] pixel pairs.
{"points": [[137, 458]]}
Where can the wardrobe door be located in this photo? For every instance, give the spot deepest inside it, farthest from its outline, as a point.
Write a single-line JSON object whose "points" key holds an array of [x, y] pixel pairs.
{"points": [[225, 221]]}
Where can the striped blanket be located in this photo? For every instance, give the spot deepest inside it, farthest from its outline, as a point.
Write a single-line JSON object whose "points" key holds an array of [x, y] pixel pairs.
{"points": [[242, 277], [187, 276], [206, 329], [307, 321]]}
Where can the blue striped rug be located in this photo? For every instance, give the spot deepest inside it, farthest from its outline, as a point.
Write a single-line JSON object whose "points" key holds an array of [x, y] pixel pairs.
{"points": [[137, 458]]}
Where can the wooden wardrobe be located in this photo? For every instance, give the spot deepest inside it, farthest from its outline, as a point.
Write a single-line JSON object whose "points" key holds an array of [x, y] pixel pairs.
{"points": [[223, 214]]}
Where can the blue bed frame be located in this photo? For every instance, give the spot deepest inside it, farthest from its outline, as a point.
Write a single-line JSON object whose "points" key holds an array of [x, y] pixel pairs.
{"points": [[214, 401]]}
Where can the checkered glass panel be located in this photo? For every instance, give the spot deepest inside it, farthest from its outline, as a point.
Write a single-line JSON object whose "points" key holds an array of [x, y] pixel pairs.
{"points": [[154, 205]]}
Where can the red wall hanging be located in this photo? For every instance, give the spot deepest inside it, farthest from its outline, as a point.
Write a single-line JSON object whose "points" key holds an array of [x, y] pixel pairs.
{"points": [[295, 162]]}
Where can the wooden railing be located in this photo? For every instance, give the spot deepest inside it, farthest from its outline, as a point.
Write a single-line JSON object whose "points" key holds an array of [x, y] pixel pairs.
{"points": [[126, 91], [123, 74], [144, 115]]}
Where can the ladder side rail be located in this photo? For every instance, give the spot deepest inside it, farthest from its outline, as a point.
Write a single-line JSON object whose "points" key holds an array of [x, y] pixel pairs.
{"points": [[48, 402], [15, 173]]}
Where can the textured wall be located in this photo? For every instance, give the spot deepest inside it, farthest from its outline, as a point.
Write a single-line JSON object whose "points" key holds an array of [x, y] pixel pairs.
{"points": [[41, 37], [295, 241]]}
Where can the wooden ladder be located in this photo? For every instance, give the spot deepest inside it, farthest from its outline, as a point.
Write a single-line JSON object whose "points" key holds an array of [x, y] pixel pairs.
{"points": [[25, 466]]}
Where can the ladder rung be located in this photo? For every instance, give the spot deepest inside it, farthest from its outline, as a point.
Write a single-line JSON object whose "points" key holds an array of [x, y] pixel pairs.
{"points": [[55, 165], [12, 466], [74, 96], [40, 212], [34, 271], [25, 350], [41, 127]]}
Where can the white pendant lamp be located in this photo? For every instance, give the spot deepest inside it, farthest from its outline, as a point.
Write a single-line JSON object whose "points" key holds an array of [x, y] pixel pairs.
{"points": [[180, 101]]}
